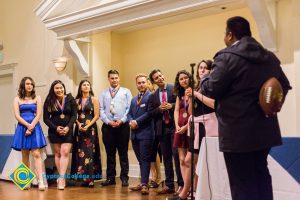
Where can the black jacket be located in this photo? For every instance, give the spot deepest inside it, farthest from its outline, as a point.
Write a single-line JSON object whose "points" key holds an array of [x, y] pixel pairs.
{"points": [[153, 109], [52, 118], [238, 73]]}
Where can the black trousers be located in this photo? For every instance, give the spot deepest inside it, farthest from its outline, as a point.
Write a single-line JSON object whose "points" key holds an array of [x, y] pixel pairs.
{"points": [[168, 153], [116, 139], [249, 175]]}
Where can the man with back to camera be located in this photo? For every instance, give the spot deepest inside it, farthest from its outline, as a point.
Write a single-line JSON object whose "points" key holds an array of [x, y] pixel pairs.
{"points": [[114, 107], [245, 133]]}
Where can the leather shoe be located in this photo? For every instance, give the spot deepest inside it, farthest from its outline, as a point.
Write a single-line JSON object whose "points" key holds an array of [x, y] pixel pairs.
{"points": [[153, 184], [125, 183], [108, 182], [136, 188], [145, 190], [166, 190]]}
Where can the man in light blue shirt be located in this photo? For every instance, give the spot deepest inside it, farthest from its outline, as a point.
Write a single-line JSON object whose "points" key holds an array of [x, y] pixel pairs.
{"points": [[114, 107]]}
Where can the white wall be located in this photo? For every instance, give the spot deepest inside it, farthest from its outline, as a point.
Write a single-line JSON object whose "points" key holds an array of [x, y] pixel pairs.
{"points": [[7, 119]]}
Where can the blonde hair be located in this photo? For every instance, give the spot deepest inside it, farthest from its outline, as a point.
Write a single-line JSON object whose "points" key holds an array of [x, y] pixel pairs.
{"points": [[140, 75]]}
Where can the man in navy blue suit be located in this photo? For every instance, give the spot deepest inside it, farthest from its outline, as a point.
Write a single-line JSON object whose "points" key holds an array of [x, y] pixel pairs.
{"points": [[142, 132]]}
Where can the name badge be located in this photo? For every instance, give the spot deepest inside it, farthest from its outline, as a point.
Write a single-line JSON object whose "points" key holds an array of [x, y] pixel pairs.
{"points": [[142, 105]]}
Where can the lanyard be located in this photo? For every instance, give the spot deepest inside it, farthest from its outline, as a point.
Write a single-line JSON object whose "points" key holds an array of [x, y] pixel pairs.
{"points": [[61, 106], [86, 103]]}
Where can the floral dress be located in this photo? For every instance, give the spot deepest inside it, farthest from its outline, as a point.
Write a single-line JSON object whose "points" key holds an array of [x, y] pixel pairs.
{"points": [[86, 158]]}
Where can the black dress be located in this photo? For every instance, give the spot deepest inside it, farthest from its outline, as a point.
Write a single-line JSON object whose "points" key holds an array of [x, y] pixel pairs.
{"points": [[52, 118], [86, 158]]}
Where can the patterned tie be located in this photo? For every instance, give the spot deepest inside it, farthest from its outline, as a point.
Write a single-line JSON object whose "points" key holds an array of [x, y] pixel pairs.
{"points": [[166, 113]]}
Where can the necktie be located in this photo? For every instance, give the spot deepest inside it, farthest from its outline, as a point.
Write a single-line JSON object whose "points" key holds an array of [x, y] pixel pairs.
{"points": [[165, 113], [140, 96]]}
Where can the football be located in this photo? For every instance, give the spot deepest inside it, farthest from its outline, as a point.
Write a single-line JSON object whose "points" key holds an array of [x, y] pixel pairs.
{"points": [[271, 97]]}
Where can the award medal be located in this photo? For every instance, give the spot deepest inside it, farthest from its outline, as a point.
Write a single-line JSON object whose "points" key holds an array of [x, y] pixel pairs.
{"points": [[82, 115], [139, 100], [185, 104], [113, 94], [61, 107]]}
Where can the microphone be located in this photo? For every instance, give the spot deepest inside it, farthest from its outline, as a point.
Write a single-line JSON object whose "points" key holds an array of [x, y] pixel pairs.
{"points": [[192, 134]]}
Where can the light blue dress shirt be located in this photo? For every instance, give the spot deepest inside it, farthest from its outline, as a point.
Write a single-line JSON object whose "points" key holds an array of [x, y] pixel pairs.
{"points": [[120, 106]]}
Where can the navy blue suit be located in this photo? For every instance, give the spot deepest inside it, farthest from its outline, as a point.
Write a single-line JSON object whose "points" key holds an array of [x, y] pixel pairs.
{"points": [[142, 137]]}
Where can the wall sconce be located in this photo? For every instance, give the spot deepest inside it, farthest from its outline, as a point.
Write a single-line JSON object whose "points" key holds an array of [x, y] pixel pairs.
{"points": [[60, 63]]}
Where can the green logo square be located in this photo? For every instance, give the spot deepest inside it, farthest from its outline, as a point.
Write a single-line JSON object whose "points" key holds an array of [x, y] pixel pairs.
{"points": [[22, 176]]}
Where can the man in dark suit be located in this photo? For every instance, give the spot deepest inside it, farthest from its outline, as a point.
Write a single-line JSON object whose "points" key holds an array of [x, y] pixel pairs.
{"points": [[161, 108], [246, 135], [142, 132]]}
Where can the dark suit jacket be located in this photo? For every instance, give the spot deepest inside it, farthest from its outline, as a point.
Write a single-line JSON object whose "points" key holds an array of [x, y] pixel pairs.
{"points": [[154, 103], [145, 130], [239, 72]]}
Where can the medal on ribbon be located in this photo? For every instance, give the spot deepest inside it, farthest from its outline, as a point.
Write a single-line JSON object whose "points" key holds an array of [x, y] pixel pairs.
{"points": [[82, 115], [112, 107], [139, 99], [185, 104], [61, 107], [113, 93]]}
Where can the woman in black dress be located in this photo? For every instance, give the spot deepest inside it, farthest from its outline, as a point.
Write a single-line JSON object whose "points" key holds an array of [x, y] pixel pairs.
{"points": [[60, 113], [86, 150]]}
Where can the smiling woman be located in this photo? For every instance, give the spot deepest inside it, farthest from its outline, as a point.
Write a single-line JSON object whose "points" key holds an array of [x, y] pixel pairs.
{"points": [[60, 113]]}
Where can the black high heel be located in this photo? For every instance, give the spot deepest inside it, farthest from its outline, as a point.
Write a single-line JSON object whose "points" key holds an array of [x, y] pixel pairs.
{"points": [[88, 184]]}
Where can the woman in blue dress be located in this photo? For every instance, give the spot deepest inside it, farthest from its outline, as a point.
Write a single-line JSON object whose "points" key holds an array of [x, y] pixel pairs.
{"points": [[29, 136]]}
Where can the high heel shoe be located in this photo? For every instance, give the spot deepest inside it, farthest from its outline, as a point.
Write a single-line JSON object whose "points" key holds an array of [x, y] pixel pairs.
{"points": [[42, 186], [60, 184], [89, 184]]}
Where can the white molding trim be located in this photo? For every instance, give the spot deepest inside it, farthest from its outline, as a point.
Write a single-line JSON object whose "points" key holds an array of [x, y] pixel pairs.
{"points": [[263, 18], [46, 7], [124, 13], [7, 69], [80, 62]]}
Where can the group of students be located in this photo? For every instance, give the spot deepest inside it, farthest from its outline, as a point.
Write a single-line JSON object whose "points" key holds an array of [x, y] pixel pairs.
{"points": [[162, 117], [157, 119], [60, 113]]}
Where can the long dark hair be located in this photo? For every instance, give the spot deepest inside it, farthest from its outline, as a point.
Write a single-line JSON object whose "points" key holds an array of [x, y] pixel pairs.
{"points": [[51, 97], [178, 89], [21, 90], [79, 92], [209, 67]]}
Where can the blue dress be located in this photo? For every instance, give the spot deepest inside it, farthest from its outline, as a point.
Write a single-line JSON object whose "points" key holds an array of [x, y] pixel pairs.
{"points": [[34, 141]]}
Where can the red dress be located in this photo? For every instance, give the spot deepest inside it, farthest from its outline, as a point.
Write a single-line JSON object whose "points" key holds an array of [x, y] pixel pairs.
{"points": [[181, 140]]}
